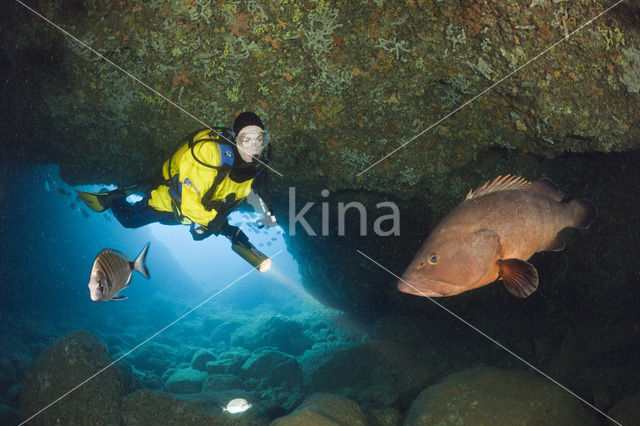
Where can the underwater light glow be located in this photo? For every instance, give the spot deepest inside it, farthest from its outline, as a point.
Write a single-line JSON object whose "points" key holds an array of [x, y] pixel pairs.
{"points": [[265, 266], [214, 256], [290, 282]]}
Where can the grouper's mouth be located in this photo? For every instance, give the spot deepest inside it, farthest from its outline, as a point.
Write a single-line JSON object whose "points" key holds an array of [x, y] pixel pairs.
{"points": [[429, 289]]}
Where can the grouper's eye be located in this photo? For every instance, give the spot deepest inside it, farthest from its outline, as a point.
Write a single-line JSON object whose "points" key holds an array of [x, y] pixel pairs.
{"points": [[432, 258]]}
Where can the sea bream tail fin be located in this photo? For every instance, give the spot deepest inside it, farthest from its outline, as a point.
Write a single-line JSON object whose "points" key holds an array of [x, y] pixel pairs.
{"points": [[139, 265], [585, 212], [520, 277]]}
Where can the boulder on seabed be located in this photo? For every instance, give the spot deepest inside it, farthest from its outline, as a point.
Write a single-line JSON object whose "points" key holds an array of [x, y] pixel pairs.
{"points": [[186, 380], [229, 362], [396, 366], [154, 357], [145, 407], [224, 331], [65, 364], [487, 395], [261, 364], [277, 331], [200, 359], [381, 395], [324, 409], [387, 416], [287, 373], [221, 382]]}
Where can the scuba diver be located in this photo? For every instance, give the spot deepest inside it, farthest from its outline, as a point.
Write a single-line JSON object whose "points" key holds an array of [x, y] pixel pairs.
{"points": [[204, 181]]}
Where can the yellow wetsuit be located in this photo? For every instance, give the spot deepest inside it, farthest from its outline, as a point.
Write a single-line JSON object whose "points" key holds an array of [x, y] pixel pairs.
{"points": [[193, 180]]}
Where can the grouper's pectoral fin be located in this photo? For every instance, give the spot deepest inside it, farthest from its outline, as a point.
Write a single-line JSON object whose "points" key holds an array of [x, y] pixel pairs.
{"points": [[119, 298], [520, 277]]}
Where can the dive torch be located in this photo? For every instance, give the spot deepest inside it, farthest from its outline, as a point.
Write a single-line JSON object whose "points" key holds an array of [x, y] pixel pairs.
{"points": [[255, 257], [241, 245]]}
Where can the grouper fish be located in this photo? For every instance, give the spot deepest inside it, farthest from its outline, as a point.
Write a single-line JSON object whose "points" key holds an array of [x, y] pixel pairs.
{"points": [[491, 235]]}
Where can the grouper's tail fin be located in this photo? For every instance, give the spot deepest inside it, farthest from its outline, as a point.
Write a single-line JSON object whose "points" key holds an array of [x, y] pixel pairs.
{"points": [[585, 212]]}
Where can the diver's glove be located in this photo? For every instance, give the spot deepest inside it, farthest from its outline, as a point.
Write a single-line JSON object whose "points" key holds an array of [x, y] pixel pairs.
{"points": [[234, 234], [268, 220], [259, 206], [199, 232]]}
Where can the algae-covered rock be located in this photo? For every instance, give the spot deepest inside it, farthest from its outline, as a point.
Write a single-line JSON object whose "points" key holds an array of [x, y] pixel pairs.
{"points": [[186, 380], [366, 75], [324, 409], [66, 364], [494, 396]]}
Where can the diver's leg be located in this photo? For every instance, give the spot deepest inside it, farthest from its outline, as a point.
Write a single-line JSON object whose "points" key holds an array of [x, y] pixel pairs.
{"points": [[139, 214]]}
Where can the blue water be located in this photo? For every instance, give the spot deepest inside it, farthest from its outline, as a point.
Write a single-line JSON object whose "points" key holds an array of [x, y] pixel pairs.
{"points": [[54, 239], [51, 241]]}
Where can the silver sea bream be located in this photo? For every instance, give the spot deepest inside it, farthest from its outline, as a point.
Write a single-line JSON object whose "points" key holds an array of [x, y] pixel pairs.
{"points": [[112, 271]]}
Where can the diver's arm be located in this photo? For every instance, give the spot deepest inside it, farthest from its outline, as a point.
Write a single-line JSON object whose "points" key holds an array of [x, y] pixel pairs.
{"points": [[261, 188], [260, 199]]}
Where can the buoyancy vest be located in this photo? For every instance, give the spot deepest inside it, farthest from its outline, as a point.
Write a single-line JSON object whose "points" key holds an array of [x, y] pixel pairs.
{"points": [[197, 186]]}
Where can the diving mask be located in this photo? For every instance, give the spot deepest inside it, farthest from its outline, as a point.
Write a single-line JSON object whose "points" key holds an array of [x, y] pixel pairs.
{"points": [[253, 141]]}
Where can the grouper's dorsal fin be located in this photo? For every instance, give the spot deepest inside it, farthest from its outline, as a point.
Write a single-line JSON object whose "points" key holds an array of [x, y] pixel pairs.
{"points": [[501, 183]]}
